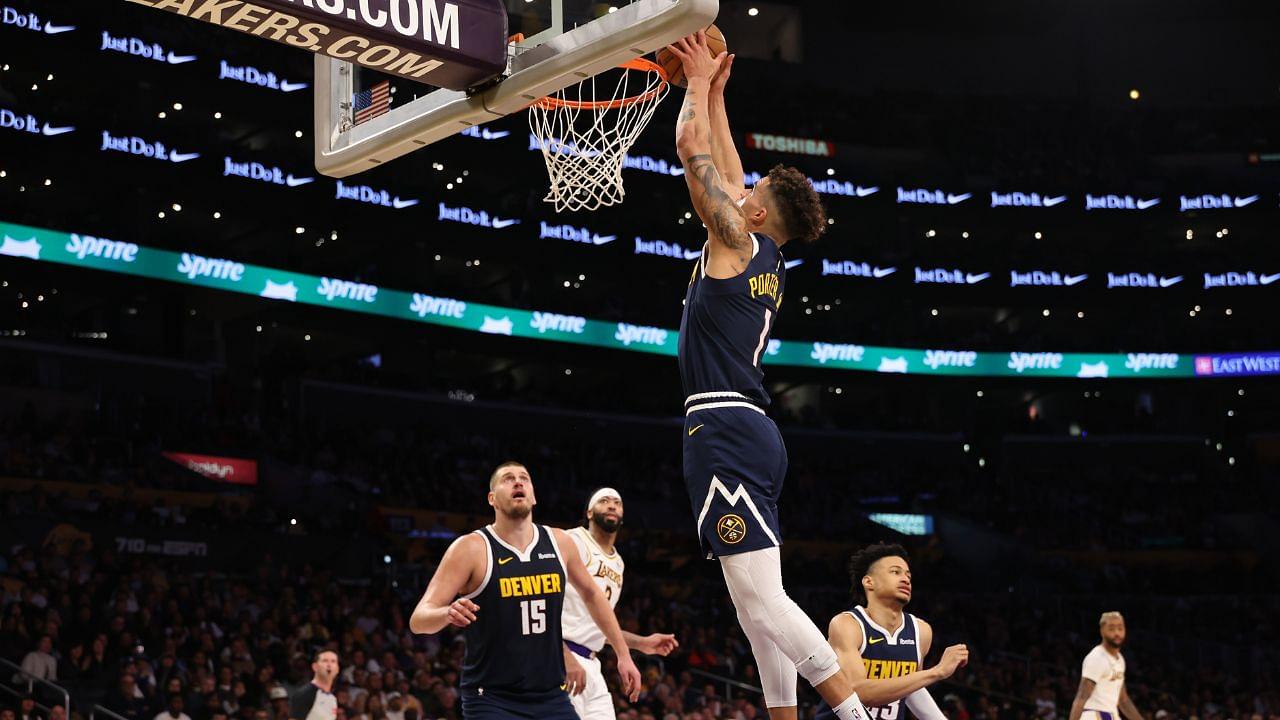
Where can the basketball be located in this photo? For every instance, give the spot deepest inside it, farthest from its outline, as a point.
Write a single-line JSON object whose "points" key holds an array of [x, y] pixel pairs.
{"points": [[671, 64]]}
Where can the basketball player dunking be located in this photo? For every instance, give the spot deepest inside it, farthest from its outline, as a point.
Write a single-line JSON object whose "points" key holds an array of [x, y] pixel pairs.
{"points": [[504, 584], [734, 459], [583, 638], [1102, 695], [881, 647]]}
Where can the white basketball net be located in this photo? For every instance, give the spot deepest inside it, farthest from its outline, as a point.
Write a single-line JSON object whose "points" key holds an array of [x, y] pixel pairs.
{"points": [[584, 141]]}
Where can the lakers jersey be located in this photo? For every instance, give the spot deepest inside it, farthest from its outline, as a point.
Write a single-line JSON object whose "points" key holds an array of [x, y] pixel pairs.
{"points": [[606, 569], [514, 646], [724, 331], [888, 655]]}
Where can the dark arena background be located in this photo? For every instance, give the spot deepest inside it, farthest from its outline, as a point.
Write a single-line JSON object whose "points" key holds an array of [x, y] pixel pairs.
{"points": [[245, 407]]}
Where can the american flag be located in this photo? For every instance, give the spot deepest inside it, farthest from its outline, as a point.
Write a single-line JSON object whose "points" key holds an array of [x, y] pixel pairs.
{"points": [[373, 102]]}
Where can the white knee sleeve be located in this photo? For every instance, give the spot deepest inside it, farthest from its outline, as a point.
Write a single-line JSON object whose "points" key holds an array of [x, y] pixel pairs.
{"points": [[755, 584], [777, 674]]}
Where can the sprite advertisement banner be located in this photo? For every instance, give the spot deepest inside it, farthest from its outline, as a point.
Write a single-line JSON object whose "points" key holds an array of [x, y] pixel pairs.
{"points": [[227, 274]]}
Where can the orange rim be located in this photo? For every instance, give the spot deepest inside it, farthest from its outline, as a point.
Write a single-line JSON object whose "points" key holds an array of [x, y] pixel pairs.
{"points": [[640, 64]]}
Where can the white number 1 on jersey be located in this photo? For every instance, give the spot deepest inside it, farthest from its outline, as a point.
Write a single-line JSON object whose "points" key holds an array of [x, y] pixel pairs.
{"points": [[533, 617]]}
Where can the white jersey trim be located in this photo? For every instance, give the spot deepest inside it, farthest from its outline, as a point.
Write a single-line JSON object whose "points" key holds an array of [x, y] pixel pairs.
{"points": [[488, 567], [889, 637], [716, 405], [528, 551]]}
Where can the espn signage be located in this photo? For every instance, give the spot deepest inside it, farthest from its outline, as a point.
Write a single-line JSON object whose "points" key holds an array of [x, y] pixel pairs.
{"points": [[792, 145], [220, 469], [454, 44]]}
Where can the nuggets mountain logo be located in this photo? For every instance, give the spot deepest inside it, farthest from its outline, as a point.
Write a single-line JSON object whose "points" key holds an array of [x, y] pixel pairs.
{"points": [[731, 529]]}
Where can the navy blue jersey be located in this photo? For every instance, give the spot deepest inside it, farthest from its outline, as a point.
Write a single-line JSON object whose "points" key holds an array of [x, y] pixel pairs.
{"points": [[724, 331], [887, 655], [514, 647]]}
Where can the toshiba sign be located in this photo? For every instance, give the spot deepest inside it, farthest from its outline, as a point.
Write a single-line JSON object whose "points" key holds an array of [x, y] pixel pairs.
{"points": [[793, 145]]}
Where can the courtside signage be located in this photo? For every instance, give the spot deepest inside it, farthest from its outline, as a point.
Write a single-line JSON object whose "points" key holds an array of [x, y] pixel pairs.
{"points": [[228, 274]]}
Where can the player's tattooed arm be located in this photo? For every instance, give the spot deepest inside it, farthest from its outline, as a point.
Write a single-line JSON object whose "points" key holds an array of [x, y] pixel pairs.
{"points": [[718, 210]]}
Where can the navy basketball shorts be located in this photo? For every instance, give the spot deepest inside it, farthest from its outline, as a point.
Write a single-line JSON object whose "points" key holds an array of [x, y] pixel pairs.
{"points": [[734, 465], [492, 706]]}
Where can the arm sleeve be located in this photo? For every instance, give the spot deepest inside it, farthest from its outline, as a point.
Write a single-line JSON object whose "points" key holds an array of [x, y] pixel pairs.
{"points": [[922, 705], [301, 701], [1093, 668]]}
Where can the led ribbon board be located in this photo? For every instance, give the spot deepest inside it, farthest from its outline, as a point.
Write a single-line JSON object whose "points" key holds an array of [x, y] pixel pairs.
{"points": [[454, 44], [225, 274]]}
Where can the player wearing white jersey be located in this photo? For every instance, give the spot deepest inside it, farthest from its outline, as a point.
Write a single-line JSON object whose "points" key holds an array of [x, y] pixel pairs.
{"points": [[582, 637], [1102, 695]]}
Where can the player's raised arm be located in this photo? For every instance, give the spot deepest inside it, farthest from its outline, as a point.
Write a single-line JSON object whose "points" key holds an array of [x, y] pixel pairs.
{"points": [[711, 198], [600, 611], [723, 150], [440, 604]]}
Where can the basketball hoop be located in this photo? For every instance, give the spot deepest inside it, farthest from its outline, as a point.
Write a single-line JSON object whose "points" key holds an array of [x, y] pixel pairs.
{"points": [[584, 140]]}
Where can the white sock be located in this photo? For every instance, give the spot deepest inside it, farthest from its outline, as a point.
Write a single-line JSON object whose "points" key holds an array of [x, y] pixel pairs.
{"points": [[851, 709]]}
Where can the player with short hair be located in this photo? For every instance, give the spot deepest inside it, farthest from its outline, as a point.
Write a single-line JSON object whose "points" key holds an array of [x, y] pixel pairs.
{"points": [[1102, 693], [504, 584], [734, 458], [882, 647], [583, 639]]}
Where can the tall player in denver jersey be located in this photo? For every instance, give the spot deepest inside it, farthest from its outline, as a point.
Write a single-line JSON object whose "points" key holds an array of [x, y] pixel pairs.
{"points": [[583, 639], [734, 459], [881, 647], [1102, 695], [504, 584]]}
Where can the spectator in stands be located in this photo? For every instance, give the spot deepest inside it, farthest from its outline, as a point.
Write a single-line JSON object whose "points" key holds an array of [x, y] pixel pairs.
{"points": [[174, 710], [27, 709], [127, 699], [40, 663]]}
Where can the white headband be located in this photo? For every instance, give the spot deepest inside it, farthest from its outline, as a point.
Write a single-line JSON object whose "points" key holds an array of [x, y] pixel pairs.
{"points": [[601, 494]]}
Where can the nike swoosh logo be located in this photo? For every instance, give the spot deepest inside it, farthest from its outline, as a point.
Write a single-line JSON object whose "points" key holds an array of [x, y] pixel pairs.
{"points": [[292, 181], [499, 224], [182, 157], [794, 263], [51, 29], [1144, 204], [883, 272], [504, 561], [1050, 202], [180, 59], [694, 430], [288, 87], [402, 204], [677, 172], [953, 199], [1268, 279], [604, 240], [972, 279], [873, 641], [863, 192], [1245, 202], [1170, 282], [692, 254], [51, 131], [1074, 279], [490, 135]]}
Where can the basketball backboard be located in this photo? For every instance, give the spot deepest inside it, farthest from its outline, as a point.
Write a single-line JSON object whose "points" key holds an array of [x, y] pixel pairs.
{"points": [[564, 42]]}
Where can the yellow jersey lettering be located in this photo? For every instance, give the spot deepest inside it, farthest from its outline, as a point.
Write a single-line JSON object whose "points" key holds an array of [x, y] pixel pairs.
{"points": [[525, 585], [889, 669], [764, 284]]}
